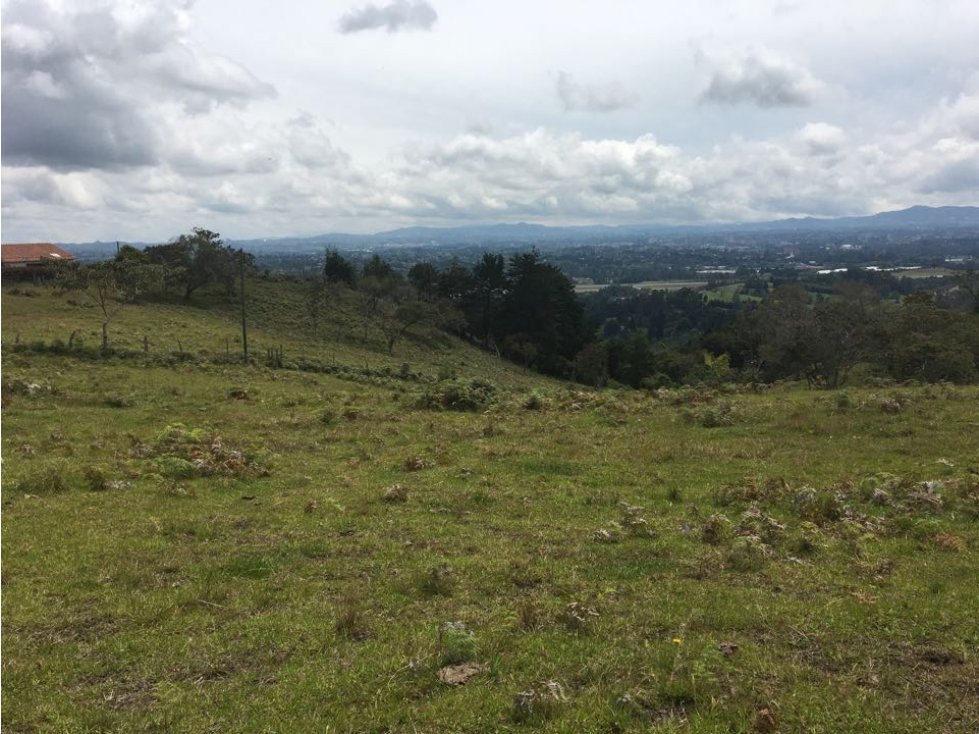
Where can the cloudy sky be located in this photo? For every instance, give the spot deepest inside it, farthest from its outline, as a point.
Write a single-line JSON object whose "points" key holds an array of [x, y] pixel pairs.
{"points": [[140, 119]]}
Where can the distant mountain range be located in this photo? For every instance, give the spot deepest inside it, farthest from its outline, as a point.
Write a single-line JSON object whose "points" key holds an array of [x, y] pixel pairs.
{"points": [[916, 217], [913, 218]]}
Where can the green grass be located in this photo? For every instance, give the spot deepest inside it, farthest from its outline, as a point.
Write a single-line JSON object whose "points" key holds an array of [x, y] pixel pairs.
{"points": [[646, 285], [274, 588]]}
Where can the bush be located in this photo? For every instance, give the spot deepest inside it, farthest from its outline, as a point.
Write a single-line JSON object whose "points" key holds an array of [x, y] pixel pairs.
{"points": [[462, 395]]}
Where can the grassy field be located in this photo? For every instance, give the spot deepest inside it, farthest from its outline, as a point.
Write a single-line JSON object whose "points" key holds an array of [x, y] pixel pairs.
{"points": [[646, 285], [206, 547]]}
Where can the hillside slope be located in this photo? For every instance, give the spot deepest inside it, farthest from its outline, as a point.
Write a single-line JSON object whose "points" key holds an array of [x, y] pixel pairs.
{"points": [[198, 545]]}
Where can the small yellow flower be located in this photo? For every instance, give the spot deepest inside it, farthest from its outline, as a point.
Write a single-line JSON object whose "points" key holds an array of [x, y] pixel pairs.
{"points": [[677, 641]]}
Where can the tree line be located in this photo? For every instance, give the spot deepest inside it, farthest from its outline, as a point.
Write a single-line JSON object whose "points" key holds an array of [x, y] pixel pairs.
{"points": [[525, 309]]}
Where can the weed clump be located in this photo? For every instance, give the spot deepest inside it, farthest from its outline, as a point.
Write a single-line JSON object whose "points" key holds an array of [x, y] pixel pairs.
{"points": [[350, 622], [716, 530], [633, 522], [747, 553], [456, 643], [416, 463], [717, 416], [578, 615], [541, 702], [396, 493], [49, 479], [437, 581], [96, 478], [534, 401], [182, 453], [461, 395]]}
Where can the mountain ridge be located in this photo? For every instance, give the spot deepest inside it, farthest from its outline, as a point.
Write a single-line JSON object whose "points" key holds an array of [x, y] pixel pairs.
{"points": [[912, 218]]}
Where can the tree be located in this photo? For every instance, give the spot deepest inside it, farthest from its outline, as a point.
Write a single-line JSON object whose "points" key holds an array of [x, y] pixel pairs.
{"points": [[396, 324], [424, 277], [101, 285], [337, 269], [490, 286], [788, 333], [846, 332], [377, 268], [544, 322], [195, 260]]}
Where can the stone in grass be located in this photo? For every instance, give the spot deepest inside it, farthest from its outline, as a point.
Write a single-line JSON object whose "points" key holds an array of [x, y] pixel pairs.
{"points": [[458, 675], [395, 493]]}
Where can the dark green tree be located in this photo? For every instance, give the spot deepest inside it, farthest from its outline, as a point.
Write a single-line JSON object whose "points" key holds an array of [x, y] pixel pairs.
{"points": [[545, 325], [337, 269], [195, 260]]}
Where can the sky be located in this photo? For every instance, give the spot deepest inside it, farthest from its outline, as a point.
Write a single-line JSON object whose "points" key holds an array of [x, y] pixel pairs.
{"points": [[137, 120]]}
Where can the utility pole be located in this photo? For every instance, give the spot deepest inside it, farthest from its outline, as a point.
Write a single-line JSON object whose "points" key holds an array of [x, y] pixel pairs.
{"points": [[244, 328]]}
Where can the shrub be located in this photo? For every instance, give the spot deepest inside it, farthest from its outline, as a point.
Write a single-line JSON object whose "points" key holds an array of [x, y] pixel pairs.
{"points": [[717, 416], [462, 395]]}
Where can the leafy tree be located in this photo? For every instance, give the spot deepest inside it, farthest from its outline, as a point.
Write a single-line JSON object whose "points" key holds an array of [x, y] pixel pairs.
{"points": [[788, 333], [591, 364], [847, 331], [927, 343], [404, 316], [195, 260]]}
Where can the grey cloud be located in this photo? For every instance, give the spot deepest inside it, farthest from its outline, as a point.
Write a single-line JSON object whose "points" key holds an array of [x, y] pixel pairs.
{"points": [[590, 98], [395, 16], [310, 147], [201, 81], [763, 80], [955, 177], [83, 89]]}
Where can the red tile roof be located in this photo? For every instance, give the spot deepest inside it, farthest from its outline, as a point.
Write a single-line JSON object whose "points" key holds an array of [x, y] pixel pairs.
{"points": [[33, 253]]}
